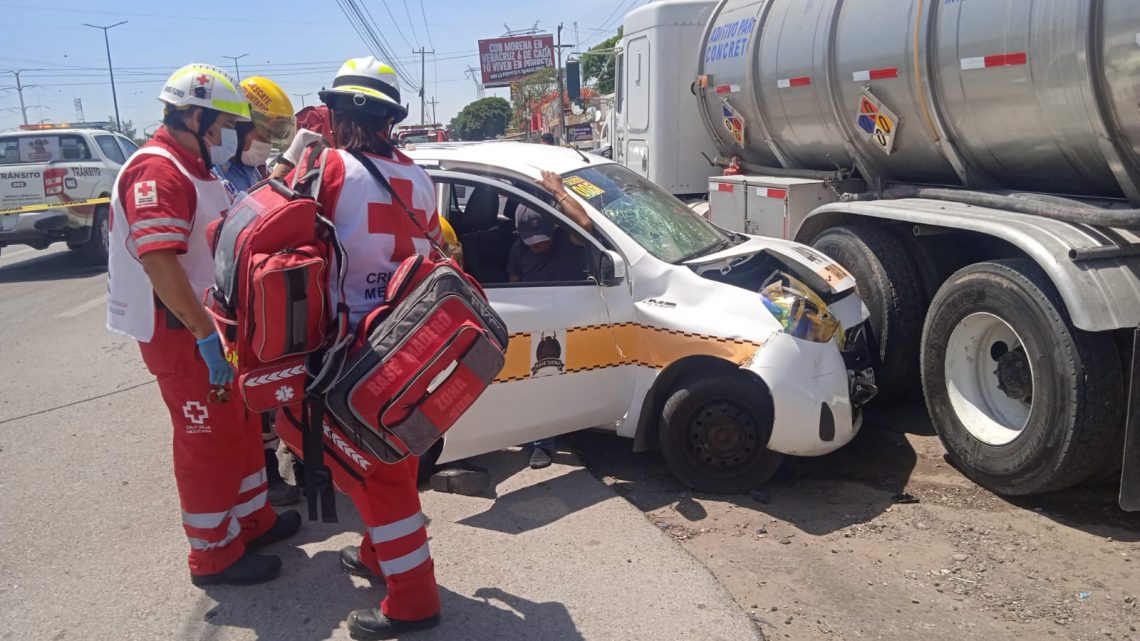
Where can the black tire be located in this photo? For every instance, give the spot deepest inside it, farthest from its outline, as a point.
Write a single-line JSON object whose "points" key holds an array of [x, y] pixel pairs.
{"points": [[887, 281], [97, 249], [714, 434], [1075, 418], [934, 259]]}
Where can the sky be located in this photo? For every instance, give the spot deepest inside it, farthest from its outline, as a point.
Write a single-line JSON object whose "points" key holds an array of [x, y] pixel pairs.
{"points": [[298, 45]]}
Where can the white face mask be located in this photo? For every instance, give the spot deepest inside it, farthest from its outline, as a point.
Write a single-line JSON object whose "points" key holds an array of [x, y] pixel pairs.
{"points": [[226, 149], [257, 154]]}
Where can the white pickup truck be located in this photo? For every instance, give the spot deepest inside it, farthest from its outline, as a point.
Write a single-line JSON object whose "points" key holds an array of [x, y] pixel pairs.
{"points": [[47, 178]]}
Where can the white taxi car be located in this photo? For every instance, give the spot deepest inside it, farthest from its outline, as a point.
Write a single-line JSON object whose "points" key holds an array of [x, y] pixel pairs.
{"points": [[722, 349]]}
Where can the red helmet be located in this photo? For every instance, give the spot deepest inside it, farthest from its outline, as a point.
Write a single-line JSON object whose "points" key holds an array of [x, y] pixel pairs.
{"points": [[316, 119]]}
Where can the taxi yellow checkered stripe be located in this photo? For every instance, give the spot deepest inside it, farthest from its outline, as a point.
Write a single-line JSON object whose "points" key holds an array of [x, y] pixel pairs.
{"points": [[591, 348]]}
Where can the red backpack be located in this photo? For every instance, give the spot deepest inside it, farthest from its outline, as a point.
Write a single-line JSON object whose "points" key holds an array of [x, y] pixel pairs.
{"points": [[273, 253]]}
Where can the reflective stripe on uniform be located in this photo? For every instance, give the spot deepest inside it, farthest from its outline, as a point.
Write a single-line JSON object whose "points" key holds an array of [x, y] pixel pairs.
{"points": [[204, 520], [232, 531], [160, 238], [252, 481], [408, 562], [160, 222], [393, 531], [249, 507]]}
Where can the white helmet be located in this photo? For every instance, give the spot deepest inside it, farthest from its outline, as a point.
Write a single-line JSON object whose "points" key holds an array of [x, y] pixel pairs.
{"points": [[200, 85], [368, 85]]}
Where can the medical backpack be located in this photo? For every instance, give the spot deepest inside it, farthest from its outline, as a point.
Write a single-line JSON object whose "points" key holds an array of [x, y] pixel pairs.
{"points": [[421, 359], [273, 253]]}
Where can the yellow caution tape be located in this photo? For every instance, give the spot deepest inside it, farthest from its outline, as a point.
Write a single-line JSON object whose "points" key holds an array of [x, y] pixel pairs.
{"points": [[10, 211]]}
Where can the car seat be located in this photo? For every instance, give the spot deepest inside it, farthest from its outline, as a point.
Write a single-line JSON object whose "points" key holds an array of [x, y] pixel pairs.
{"points": [[486, 241]]}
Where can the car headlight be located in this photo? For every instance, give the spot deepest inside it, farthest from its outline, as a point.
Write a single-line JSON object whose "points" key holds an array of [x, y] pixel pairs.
{"points": [[799, 310]]}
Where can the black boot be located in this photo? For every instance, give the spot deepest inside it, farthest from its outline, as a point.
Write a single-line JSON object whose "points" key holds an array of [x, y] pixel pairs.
{"points": [[350, 562], [248, 570], [368, 625], [286, 525]]}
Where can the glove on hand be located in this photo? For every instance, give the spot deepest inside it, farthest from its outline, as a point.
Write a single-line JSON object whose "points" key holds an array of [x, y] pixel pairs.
{"points": [[221, 373]]}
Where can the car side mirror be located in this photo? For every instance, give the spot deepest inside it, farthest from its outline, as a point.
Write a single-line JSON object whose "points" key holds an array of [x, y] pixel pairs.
{"points": [[611, 269]]}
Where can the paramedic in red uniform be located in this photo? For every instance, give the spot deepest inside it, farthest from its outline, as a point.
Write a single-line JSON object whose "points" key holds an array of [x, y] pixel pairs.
{"points": [[378, 235], [160, 264]]}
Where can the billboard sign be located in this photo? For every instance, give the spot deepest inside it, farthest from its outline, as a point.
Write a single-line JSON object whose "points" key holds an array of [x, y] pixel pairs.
{"points": [[583, 132], [507, 60]]}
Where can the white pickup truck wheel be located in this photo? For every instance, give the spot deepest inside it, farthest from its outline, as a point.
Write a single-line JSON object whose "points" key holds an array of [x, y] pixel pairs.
{"points": [[1024, 402], [714, 434], [97, 250]]}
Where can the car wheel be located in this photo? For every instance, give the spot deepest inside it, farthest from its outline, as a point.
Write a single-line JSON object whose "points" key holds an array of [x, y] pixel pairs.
{"points": [[714, 435], [97, 249], [1023, 402], [888, 283]]}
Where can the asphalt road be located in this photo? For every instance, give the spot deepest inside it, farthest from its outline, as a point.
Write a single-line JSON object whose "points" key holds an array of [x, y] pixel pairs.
{"points": [[91, 546]]}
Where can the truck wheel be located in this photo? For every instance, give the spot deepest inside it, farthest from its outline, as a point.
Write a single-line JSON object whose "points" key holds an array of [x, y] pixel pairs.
{"points": [[96, 250], [714, 433], [1024, 402], [888, 283]]}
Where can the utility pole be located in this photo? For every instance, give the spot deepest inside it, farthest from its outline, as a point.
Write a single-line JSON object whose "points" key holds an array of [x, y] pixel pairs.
{"points": [[423, 80], [302, 97], [561, 85], [79, 110], [433, 102], [20, 90], [237, 70], [110, 69]]}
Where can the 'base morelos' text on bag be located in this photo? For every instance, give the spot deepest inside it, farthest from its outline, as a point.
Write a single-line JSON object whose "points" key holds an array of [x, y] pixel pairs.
{"points": [[421, 360]]}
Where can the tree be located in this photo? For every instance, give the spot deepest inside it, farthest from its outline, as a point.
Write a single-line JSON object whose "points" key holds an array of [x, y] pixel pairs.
{"points": [[531, 91], [127, 128], [598, 64], [483, 119]]}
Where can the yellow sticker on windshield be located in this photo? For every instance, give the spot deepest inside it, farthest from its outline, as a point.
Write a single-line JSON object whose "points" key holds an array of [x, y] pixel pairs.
{"points": [[583, 187]]}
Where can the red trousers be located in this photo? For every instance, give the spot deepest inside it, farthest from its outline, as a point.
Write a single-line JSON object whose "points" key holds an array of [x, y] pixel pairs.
{"points": [[395, 543], [219, 466]]}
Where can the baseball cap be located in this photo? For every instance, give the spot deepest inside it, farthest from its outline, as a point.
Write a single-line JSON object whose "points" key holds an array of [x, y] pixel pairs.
{"points": [[533, 227]]}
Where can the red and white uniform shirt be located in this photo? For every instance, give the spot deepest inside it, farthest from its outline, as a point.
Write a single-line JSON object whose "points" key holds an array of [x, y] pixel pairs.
{"points": [[377, 234], [163, 199]]}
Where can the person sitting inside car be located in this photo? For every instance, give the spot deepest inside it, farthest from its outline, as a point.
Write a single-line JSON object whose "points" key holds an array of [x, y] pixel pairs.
{"points": [[544, 252]]}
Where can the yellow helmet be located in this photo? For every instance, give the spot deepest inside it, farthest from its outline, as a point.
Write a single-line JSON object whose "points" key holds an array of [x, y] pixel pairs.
{"points": [[271, 110]]}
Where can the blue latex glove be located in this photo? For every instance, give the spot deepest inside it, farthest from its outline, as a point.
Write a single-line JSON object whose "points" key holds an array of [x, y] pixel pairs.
{"points": [[221, 373]]}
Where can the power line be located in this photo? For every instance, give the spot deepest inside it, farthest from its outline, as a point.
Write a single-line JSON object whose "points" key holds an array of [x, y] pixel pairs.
{"points": [[410, 24], [396, 25]]}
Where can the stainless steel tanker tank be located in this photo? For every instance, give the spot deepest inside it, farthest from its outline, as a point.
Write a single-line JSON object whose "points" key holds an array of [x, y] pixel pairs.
{"points": [[1025, 94]]}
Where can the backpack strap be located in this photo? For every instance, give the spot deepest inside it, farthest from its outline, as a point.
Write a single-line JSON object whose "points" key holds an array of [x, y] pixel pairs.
{"points": [[379, 176]]}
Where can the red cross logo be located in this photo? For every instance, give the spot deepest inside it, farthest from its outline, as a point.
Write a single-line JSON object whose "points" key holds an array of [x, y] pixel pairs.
{"points": [[144, 189], [195, 412], [203, 79], [392, 220]]}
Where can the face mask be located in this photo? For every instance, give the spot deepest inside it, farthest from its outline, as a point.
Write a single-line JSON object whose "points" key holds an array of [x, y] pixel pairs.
{"points": [[257, 154], [225, 150]]}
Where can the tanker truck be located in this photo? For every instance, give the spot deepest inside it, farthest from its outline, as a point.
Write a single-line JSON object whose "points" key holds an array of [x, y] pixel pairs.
{"points": [[975, 164]]}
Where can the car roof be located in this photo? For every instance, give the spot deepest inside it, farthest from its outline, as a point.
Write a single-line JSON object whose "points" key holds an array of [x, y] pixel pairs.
{"points": [[52, 132], [519, 157]]}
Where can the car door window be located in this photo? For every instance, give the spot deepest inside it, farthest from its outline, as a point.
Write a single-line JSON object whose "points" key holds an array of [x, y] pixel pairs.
{"points": [[494, 251], [129, 147], [110, 149]]}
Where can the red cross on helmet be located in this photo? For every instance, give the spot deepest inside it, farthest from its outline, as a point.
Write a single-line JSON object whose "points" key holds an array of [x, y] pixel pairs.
{"points": [[200, 85]]}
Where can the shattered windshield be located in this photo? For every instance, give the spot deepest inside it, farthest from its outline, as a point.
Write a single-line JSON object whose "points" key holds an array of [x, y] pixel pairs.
{"points": [[649, 215]]}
